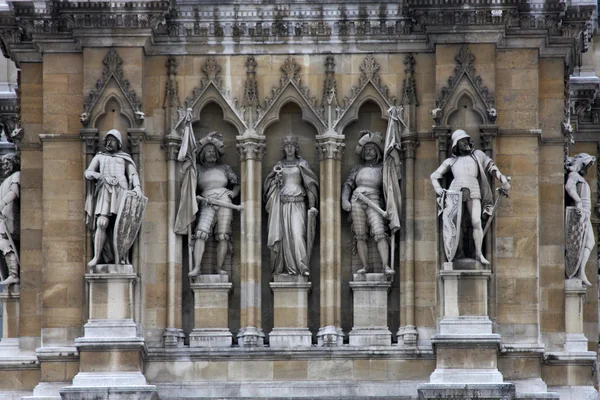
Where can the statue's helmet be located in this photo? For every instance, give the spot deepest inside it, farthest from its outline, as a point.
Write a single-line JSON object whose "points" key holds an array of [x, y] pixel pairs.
{"points": [[214, 138], [577, 162], [116, 134], [457, 135], [375, 138]]}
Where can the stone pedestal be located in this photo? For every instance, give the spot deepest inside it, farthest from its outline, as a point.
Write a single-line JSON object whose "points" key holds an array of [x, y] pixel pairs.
{"points": [[211, 312], [466, 349], [10, 300], [111, 352], [370, 300], [575, 340], [290, 310]]}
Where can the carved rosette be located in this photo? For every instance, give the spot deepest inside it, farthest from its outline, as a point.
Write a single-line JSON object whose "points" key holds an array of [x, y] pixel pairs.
{"points": [[330, 147], [251, 148]]}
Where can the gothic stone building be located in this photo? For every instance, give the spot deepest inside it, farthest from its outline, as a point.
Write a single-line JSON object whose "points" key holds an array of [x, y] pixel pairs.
{"points": [[518, 76]]}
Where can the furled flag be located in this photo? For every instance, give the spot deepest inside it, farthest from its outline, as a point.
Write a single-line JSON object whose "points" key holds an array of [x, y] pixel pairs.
{"points": [[391, 165], [188, 207]]}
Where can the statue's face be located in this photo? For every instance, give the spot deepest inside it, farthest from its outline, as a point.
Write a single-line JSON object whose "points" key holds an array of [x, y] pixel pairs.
{"points": [[6, 167], [464, 146], [210, 154], [112, 144], [289, 149], [369, 152]]}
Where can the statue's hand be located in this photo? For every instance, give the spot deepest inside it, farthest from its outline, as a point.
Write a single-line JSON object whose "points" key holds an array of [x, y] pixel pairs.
{"points": [[346, 205], [138, 191], [439, 192], [505, 183], [578, 207]]}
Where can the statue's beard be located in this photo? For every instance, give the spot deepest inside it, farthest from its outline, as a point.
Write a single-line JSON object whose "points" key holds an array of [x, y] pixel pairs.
{"points": [[464, 152]]}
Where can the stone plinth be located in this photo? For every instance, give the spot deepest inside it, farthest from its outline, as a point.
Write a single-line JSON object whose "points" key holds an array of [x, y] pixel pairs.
{"points": [[465, 288], [575, 340], [111, 352], [290, 309], [451, 392], [370, 292], [211, 312], [10, 300]]}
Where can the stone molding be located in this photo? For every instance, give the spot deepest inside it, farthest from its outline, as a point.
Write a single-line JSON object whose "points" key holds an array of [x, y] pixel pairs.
{"points": [[330, 147], [113, 70]]}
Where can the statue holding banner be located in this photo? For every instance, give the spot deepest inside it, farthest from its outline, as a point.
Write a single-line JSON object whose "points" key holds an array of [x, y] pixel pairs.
{"points": [[115, 204], [288, 189], [471, 170], [207, 190], [372, 185], [578, 225], [9, 219]]}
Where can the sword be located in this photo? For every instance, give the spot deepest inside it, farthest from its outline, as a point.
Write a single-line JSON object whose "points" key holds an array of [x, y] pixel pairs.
{"points": [[217, 202], [374, 206], [501, 193]]}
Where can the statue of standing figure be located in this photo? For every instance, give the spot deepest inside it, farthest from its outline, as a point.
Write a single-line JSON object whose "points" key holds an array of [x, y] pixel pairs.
{"points": [[363, 198], [289, 188], [471, 169], [115, 204], [9, 218], [579, 231]]}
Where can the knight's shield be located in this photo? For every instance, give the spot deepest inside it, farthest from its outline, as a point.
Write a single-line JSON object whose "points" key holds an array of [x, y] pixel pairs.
{"points": [[128, 223], [575, 231], [451, 219]]}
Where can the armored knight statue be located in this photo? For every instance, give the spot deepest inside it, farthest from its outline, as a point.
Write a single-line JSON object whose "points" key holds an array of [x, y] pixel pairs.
{"points": [[288, 189], [9, 218], [216, 185], [363, 197], [471, 170], [115, 196], [579, 231]]}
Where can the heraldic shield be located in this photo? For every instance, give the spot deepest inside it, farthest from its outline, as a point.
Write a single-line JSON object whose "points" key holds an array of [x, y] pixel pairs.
{"points": [[576, 223], [127, 226], [451, 219]]}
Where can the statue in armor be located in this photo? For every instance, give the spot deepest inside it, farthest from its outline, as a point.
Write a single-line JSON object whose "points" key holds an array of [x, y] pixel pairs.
{"points": [[114, 173], [580, 239], [217, 185], [289, 188], [362, 197], [9, 218], [471, 170]]}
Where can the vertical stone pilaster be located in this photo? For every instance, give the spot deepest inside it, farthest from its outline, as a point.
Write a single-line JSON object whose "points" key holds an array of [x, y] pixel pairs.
{"points": [[173, 335], [330, 147], [251, 149], [407, 332]]}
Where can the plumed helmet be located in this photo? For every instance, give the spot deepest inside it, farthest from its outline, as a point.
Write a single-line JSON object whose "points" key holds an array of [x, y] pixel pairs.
{"points": [[370, 137], [457, 135], [214, 138], [116, 134], [577, 162]]}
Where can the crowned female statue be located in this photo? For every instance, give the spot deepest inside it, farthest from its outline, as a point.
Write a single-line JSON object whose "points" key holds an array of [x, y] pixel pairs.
{"points": [[288, 189]]}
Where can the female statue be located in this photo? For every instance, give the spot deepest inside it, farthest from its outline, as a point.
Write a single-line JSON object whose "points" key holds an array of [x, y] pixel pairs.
{"points": [[288, 189]]}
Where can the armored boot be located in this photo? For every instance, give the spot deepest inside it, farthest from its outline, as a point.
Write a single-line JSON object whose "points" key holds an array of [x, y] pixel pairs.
{"points": [[13, 269]]}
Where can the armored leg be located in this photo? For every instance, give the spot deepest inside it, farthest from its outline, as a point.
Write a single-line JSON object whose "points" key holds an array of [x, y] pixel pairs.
{"points": [[223, 236], [99, 239], [360, 229], [474, 207], [206, 216], [377, 223], [13, 269]]}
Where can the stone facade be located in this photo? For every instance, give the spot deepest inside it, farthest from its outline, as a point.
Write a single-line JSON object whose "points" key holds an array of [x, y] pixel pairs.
{"points": [[259, 72]]}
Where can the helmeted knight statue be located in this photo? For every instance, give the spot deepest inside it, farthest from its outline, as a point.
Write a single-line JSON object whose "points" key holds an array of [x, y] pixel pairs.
{"points": [[370, 187], [471, 169], [206, 192], [115, 204], [9, 218], [579, 233], [288, 189]]}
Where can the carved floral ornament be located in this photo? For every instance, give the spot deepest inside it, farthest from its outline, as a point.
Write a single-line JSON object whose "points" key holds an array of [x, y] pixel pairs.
{"points": [[465, 69], [113, 70]]}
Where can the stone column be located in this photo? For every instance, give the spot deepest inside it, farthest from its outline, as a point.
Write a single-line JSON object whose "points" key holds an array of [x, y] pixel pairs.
{"points": [[111, 352], [251, 148], [370, 300], [10, 300], [173, 335], [290, 309], [211, 310], [330, 147], [407, 333]]}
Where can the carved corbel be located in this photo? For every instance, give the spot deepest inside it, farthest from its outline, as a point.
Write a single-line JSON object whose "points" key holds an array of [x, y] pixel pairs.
{"points": [[330, 147], [488, 133], [136, 137], [410, 147], [172, 145], [90, 140]]}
